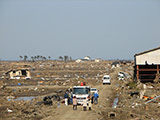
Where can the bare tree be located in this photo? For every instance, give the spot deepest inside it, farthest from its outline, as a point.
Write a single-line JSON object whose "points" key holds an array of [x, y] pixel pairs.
{"points": [[66, 58], [38, 57], [32, 58], [70, 58], [49, 57], [41, 57], [44, 58], [35, 57], [61, 58], [21, 57], [25, 57]]}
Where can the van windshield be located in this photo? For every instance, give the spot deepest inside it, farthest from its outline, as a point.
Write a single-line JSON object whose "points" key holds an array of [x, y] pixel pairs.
{"points": [[80, 90], [106, 78]]}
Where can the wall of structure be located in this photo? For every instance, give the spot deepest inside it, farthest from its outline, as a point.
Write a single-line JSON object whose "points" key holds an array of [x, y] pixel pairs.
{"points": [[19, 73], [152, 57]]}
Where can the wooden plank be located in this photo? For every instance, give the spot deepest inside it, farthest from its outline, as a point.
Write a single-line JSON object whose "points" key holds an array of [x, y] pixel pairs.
{"points": [[147, 74], [146, 80], [147, 70], [137, 72]]}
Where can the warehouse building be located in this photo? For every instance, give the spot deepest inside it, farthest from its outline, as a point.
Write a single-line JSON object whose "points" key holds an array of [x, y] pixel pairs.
{"points": [[147, 65]]}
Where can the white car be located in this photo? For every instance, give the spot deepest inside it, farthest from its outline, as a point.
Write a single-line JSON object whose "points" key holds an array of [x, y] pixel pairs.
{"points": [[106, 79], [93, 90], [121, 77]]}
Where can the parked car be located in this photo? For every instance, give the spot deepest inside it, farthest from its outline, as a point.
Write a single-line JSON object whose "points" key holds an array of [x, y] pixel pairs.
{"points": [[106, 79], [93, 90], [121, 77]]}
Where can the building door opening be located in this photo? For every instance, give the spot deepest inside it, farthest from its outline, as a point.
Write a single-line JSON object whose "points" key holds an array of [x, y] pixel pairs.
{"points": [[24, 72]]}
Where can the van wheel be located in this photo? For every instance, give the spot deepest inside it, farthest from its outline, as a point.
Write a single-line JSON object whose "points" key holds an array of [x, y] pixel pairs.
{"points": [[103, 83]]}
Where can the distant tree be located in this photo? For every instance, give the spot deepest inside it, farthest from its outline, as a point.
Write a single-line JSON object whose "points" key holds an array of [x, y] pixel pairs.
{"points": [[44, 58], [32, 58], [38, 57], [66, 58], [49, 57], [41, 57], [61, 58], [35, 57], [70, 58], [21, 57], [25, 57]]}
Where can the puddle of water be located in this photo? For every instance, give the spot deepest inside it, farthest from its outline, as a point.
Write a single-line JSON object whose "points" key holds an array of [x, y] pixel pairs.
{"points": [[115, 102], [25, 98]]}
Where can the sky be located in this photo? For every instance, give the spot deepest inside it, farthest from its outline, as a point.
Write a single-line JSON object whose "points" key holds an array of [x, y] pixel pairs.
{"points": [[106, 29]]}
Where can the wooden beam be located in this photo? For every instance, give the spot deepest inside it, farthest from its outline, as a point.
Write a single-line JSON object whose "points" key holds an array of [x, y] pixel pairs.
{"points": [[147, 80], [137, 72], [147, 70], [147, 75]]}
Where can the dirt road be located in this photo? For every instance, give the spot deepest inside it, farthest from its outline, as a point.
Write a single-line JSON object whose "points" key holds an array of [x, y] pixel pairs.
{"points": [[67, 112]]}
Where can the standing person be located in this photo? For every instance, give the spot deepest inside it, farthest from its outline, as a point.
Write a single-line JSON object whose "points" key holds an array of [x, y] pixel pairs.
{"points": [[84, 83], [84, 105], [71, 96], [66, 98], [74, 103], [92, 98], [96, 96], [89, 104], [81, 83]]}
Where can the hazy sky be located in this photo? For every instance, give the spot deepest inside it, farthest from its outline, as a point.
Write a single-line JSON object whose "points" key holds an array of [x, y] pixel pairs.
{"points": [[107, 29]]}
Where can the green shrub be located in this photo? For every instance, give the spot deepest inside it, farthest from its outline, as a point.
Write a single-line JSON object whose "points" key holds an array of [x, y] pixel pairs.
{"points": [[132, 85]]}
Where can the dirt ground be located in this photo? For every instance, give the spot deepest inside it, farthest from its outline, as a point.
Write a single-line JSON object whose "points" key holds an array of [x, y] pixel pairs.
{"points": [[54, 77], [67, 112]]}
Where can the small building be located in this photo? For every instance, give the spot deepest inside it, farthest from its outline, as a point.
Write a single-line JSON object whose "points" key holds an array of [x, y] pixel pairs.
{"points": [[97, 60], [78, 60], [81, 60], [147, 65], [18, 74], [116, 64], [87, 58]]}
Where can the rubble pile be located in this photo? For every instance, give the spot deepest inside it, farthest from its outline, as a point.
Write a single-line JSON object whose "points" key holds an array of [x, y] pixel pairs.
{"points": [[131, 106], [127, 100]]}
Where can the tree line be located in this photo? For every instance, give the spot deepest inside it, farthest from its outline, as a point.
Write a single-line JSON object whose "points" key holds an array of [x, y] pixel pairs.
{"points": [[34, 58], [65, 58], [40, 57]]}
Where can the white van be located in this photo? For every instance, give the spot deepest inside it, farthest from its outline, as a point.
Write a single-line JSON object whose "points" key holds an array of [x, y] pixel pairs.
{"points": [[106, 79]]}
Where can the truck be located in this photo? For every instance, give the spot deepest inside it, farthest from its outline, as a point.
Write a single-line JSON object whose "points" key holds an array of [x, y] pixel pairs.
{"points": [[81, 93]]}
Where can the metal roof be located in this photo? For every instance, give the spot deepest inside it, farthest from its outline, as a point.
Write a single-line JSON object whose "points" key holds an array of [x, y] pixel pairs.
{"points": [[146, 51]]}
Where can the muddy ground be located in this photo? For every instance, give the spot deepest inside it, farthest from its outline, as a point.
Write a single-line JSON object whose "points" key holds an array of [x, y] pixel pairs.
{"points": [[54, 77]]}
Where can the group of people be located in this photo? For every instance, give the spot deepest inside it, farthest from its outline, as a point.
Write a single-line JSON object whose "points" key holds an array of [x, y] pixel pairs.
{"points": [[70, 99]]}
